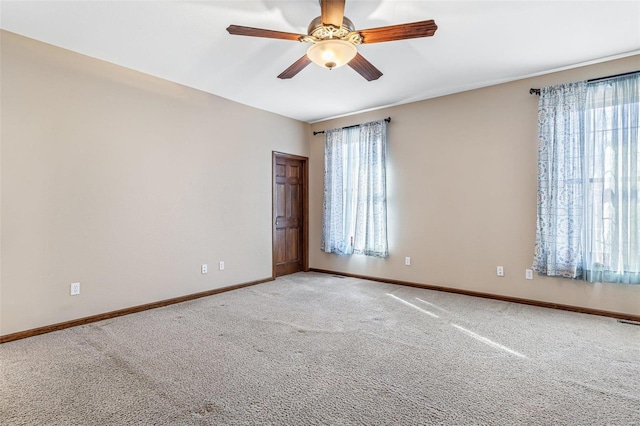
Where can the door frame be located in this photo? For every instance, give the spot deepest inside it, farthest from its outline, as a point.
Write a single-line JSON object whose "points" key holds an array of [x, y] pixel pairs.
{"points": [[304, 246]]}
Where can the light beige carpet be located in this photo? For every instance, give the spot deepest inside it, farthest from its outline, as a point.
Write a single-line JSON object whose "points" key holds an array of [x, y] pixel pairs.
{"points": [[312, 349]]}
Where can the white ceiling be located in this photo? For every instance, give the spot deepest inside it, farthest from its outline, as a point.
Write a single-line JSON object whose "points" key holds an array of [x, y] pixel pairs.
{"points": [[478, 43]]}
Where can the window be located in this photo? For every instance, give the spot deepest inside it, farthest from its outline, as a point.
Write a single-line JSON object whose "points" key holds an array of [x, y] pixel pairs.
{"points": [[588, 181], [612, 161], [354, 219]]}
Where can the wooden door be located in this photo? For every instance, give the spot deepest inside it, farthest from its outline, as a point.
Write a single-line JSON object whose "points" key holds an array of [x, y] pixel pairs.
{"points": [[289, 214]]}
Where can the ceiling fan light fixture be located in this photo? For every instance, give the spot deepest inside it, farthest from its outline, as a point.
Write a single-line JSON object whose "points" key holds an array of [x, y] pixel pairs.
{"points": [[332, 53]]}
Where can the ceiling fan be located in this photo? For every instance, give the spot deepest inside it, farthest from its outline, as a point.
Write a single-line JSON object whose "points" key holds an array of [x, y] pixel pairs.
{"points": [[333, 39]]}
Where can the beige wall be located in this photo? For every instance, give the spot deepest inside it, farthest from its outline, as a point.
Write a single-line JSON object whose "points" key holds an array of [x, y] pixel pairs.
{"points": [[462, 195], [125, 183]]}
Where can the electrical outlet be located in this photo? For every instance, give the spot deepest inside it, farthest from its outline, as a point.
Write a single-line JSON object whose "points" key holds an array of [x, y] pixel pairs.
{"points": [[407, 261], [528, 274], [75, 289], [222, 265], [204, 268], [500, 271]]}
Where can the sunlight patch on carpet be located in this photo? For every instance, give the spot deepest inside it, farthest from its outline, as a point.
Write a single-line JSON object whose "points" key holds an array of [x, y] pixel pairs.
{"points": [[413, 306], [488, 341], [432, 305]]}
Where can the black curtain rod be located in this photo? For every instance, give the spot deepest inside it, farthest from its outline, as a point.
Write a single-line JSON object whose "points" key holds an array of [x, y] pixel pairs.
{"points": [[533, 91], [388, 120]]}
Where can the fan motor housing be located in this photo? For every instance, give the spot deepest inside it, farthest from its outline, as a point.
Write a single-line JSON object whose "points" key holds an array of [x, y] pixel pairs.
{"points": [[322, 32]]}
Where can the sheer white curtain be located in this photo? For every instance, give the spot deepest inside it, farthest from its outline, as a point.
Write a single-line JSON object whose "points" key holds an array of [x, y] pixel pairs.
{"points": [[335, 238], [560, 177], [588, 223], [354, 216], [612, 161]]}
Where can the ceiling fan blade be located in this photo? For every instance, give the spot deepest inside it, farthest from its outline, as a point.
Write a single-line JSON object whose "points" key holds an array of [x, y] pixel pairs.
{"points": [[399, 32], [295, 68], [259, 32], [332, 12], [365, 68]]}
